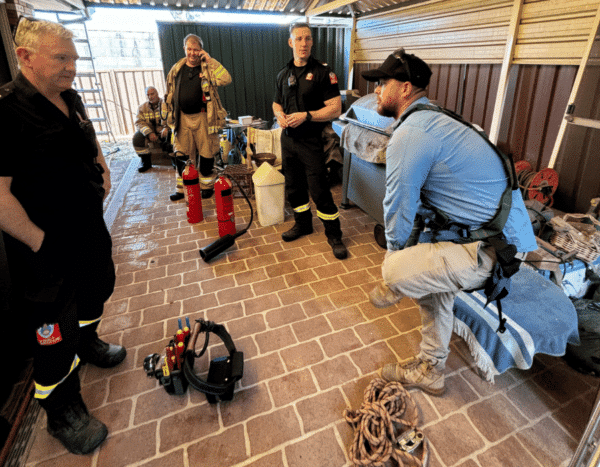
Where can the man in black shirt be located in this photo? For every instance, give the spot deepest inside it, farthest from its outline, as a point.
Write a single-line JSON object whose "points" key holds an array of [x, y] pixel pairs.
{"points": [[194, 111], [307, 97], [53, 178]]}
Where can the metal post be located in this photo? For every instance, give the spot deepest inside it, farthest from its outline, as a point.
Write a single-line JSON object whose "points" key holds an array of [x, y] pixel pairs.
{"points": [[588, 449]]}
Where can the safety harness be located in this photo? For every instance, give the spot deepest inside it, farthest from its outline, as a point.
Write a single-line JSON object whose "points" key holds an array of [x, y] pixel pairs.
{"points": [[498, 285], [175, 370], [223, 372]]}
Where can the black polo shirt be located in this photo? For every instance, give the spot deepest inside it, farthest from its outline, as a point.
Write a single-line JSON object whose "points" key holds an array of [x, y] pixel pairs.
{"points": [[302, 89], [50, 160]]}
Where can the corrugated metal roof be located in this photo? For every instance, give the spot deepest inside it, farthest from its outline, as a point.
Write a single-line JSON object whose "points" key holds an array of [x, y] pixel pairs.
{"points": [[335, 8]]}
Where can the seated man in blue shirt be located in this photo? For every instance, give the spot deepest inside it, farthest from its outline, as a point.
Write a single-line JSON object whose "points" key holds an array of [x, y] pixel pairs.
{"points": [[436, 162]]}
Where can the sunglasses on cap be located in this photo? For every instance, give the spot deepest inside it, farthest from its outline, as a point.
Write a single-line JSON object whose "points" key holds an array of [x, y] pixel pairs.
{"points": [[400, 56]]}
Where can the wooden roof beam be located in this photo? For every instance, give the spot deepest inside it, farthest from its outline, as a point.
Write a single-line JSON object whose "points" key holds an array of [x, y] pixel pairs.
{"points": [[312, 11]]}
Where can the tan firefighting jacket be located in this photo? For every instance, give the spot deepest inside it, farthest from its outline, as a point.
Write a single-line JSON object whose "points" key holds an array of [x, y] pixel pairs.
{"points": [[218, 76], [149, 120]]}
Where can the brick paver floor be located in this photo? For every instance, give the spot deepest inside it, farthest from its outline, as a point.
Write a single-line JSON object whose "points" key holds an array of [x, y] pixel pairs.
{"points": [[312, 342]]}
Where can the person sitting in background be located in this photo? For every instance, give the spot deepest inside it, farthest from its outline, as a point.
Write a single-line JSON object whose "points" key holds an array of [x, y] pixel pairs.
{"points": [[151, 128]]}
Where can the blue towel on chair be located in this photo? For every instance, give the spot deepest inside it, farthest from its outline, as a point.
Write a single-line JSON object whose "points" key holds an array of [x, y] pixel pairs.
{"points": [[540, 318]]}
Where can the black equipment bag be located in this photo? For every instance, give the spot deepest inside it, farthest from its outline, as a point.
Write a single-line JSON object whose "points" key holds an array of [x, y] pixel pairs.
{"points": [[585, 357]]}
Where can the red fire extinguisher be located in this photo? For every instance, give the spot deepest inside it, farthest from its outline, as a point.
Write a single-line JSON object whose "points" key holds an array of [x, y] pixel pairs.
{"points": [[224, 202], [191, 184]]}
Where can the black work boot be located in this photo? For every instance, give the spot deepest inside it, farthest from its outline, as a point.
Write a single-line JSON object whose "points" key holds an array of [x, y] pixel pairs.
{"points": [[75, 428], [338, 247], [303, 226], [333, 232], [99, 353], [146, 163]]}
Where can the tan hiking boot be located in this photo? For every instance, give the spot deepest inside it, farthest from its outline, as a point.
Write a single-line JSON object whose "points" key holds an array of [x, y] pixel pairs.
{"points": [[382, 296], [416, 373]]}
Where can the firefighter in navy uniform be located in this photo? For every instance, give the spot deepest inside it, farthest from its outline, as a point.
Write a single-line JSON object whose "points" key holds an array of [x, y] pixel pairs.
{"points": [[151, 128], [53, 178], [307, 97]]}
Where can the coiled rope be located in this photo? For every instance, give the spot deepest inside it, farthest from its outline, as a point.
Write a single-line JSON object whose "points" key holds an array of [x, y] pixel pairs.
{"points": [[387, 411]]}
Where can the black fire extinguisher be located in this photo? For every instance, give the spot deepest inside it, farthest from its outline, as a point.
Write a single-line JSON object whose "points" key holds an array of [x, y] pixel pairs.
{"points": [[191, 184], [224, 202]]}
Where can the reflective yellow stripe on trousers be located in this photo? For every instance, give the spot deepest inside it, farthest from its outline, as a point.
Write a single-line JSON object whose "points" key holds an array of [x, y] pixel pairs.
{"points": [[42, 392], [303, 208], [328, 217], [87, 323]]}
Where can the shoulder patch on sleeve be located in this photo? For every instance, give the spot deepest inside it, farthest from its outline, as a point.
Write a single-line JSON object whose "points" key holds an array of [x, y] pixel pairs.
{"points": [[333, 78]]}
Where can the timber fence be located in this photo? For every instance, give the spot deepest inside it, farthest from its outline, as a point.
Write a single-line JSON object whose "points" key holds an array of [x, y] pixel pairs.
{"points": [[122, 92]]}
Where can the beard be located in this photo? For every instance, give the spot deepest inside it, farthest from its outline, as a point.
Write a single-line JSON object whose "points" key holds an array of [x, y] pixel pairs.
{"points": [[194, 61], [386, 111]]}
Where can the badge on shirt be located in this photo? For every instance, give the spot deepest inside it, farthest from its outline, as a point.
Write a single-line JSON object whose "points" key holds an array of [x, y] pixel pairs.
{"points": [[48, 334], [309, 77], [332, 78]]}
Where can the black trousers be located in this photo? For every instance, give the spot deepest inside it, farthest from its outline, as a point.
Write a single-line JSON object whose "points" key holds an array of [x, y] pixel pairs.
{"points": [[74, 304], [305, 172], [84, 279]]}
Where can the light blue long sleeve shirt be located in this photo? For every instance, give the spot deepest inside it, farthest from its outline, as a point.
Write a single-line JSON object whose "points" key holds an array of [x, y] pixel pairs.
{"points": [[455, 170]]}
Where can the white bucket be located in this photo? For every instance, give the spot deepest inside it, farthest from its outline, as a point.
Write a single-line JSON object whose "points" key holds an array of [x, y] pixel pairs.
{"points": [[269, 189]]}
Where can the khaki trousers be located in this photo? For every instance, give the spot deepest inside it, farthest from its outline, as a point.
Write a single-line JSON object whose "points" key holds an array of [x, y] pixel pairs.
{"points": [[433, 274], [192, 136]]}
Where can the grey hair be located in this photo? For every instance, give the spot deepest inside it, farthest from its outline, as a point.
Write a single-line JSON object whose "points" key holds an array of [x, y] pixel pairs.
{"points": [[193, 37], [29, 32], [297, 25], [150, 87]]}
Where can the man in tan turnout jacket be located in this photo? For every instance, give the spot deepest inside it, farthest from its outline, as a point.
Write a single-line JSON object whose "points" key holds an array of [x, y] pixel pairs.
{"points": [[194, 112], [151, 128]]}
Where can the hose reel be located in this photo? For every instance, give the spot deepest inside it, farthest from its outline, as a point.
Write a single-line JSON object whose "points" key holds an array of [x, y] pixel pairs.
{"points": [[539, 186]]}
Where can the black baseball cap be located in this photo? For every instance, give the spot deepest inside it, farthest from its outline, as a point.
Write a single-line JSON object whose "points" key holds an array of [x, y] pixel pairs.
{"points": [[403, 67]]}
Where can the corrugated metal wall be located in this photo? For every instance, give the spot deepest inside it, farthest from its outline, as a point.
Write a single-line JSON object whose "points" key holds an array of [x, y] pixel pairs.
{"points": [[579, 169], [253, 54], [535, 106], [459, 31], [472, 31], [579, 164], [464, 42], [534, 109]]}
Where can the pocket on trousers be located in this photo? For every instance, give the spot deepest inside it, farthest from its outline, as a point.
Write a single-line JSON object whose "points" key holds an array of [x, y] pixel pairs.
{"points": [[462, 263]]}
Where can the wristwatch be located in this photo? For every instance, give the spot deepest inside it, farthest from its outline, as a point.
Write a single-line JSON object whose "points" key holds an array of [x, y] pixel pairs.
{"points": [[308, 116]]}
